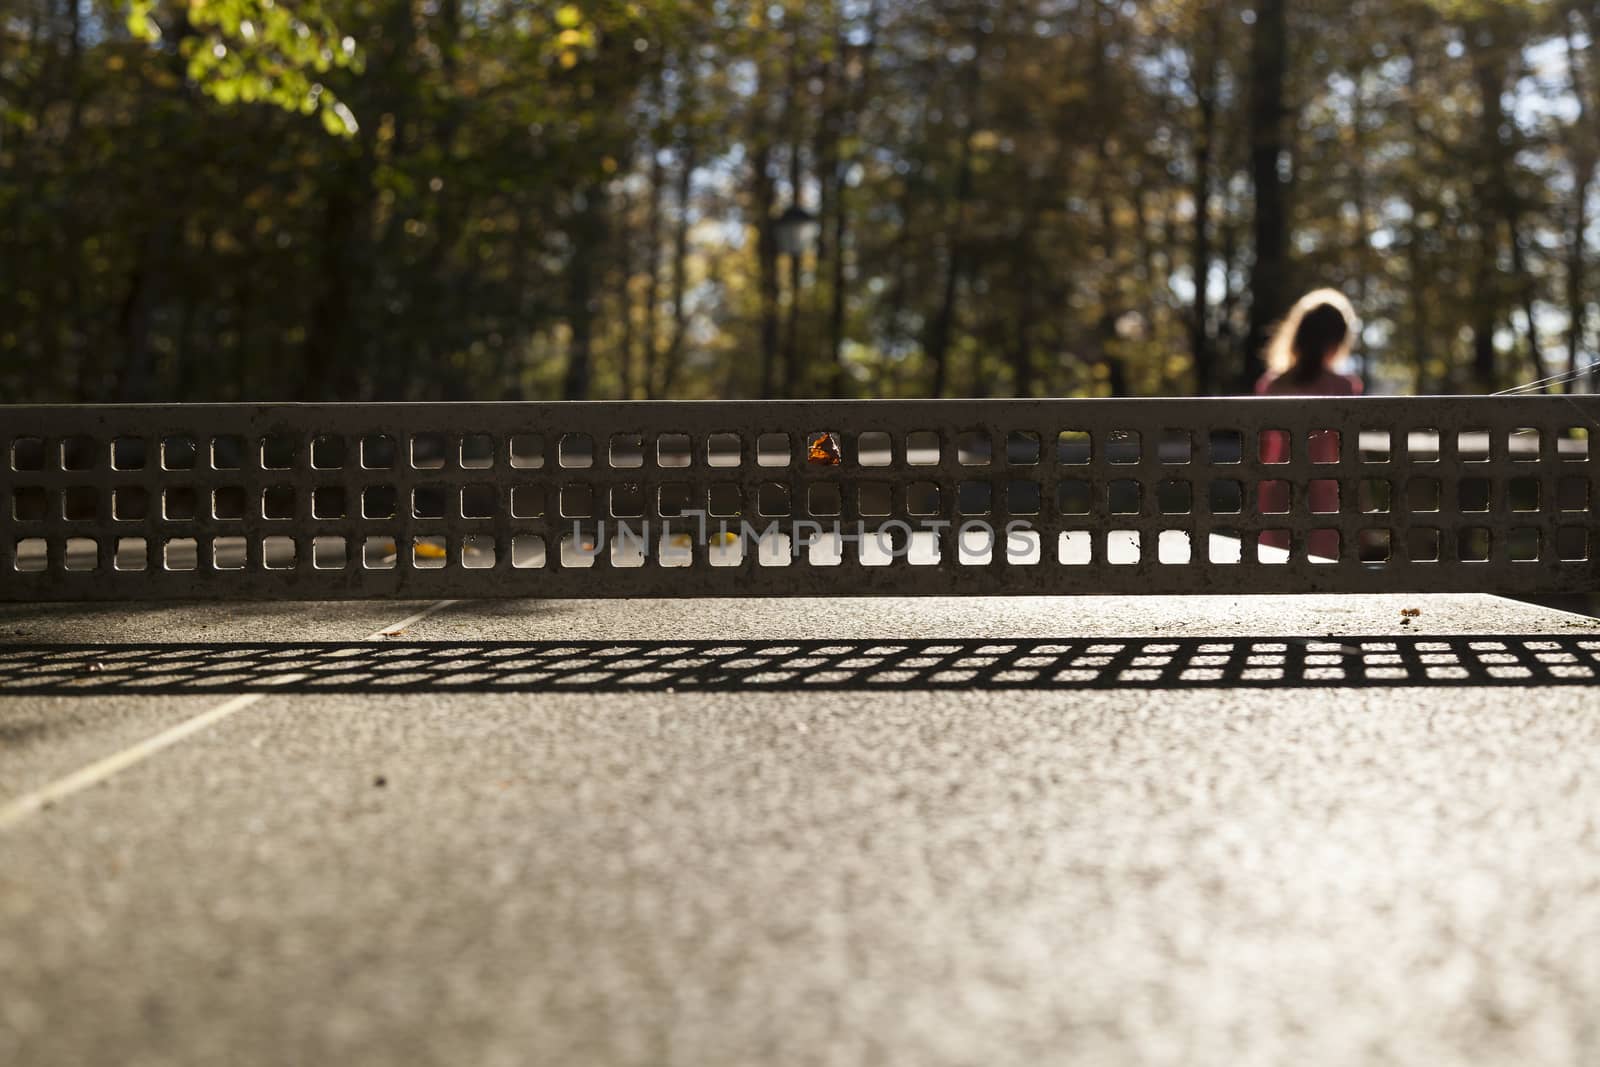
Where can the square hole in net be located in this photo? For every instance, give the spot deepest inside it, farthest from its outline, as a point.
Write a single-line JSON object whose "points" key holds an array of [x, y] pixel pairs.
{"points": [[1323, 546], [1422, 445], [1022, 448], [974, 544], [1224, 496], [1273, 547], [328, 553], [430, 502], [429, 552], [1422, 494], [1472, 494], [27, 454], [673, 498], [1572, 444], [772, 450], [724, 499], [527, 501], [628, 545], [1125, 496], [277, 502], [874, 448], [379, 502], [676, 549], [1174, 496], [525, 451], [1075, 548], [1422, 544], [1473, 544], [1322, 494], [429, 451], [1074, 448], [130, 503], [575, 451], [672, 450], [1373, 445], [1374, 496], [1023, 547], [626, 451], [30, 503], [1123, 447], [378, 553], [824, 499], [527, 551], [328, 502], [823, 449], [178, 453], [726, 548], [922, 498], [875, 499], [328, 452], [1572, 493], [974, 498], [1175, 447], [179, 503], [476, 452], [229, 553], [79, 454], [1523, 494], [1174, 547], [773, 498], [1572, 544], [128, 454], [922, 448], [131, 554], [279, 553], [1122, 547], [724, 450], [31, 555], [1522, 445], [1273, 446], [627, 500], [974, 448], [479, 501], [1074, 496], [278, 452], [1225, 446], [577, 501], [80, 503], [82, 554], [773, 549], [1226, 546], [1472, 445], [1375, 545], [825, 549], [1522, 544], [379, 452], [1023, 497], [478, 552], [922, 549], [1324, 446], [180, 554]]}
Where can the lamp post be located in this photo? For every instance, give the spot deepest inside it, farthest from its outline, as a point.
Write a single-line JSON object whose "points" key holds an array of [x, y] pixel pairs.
{"points": [[795, 233]]}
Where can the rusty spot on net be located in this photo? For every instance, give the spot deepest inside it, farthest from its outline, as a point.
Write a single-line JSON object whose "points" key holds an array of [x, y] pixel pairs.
{"points": [[824, 451]]}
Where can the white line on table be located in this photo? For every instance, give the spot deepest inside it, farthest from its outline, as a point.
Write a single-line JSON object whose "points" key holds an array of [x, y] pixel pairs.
{"points": [[14, 811]]}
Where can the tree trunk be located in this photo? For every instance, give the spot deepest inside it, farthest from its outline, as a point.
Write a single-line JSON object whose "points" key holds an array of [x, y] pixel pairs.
{"points": [[1270, 291]]}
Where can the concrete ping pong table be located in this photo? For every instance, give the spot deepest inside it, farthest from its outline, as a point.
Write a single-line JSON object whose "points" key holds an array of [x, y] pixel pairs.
{"points": [[381, 803]]}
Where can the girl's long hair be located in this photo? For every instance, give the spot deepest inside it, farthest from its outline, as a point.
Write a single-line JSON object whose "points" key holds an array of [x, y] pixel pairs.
{"points": [[1317, 328]]}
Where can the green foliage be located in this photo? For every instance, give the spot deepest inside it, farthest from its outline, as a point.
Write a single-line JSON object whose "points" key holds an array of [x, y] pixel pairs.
{"points": [[257, 51]]}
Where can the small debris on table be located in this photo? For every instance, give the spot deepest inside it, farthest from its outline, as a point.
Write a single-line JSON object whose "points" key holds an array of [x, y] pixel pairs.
{"points": [[379, 782], [1411, 613]]}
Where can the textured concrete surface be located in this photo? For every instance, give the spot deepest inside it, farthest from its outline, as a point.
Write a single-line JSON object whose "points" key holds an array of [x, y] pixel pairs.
{"points": [[1119, 876]]}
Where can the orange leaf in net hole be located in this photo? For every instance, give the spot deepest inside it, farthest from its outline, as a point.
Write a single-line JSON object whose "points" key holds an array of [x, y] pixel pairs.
{"points": [[824, 451]]}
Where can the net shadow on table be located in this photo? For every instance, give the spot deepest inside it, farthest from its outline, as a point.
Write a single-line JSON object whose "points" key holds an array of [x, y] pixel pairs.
{"points": [[809, 665]]}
